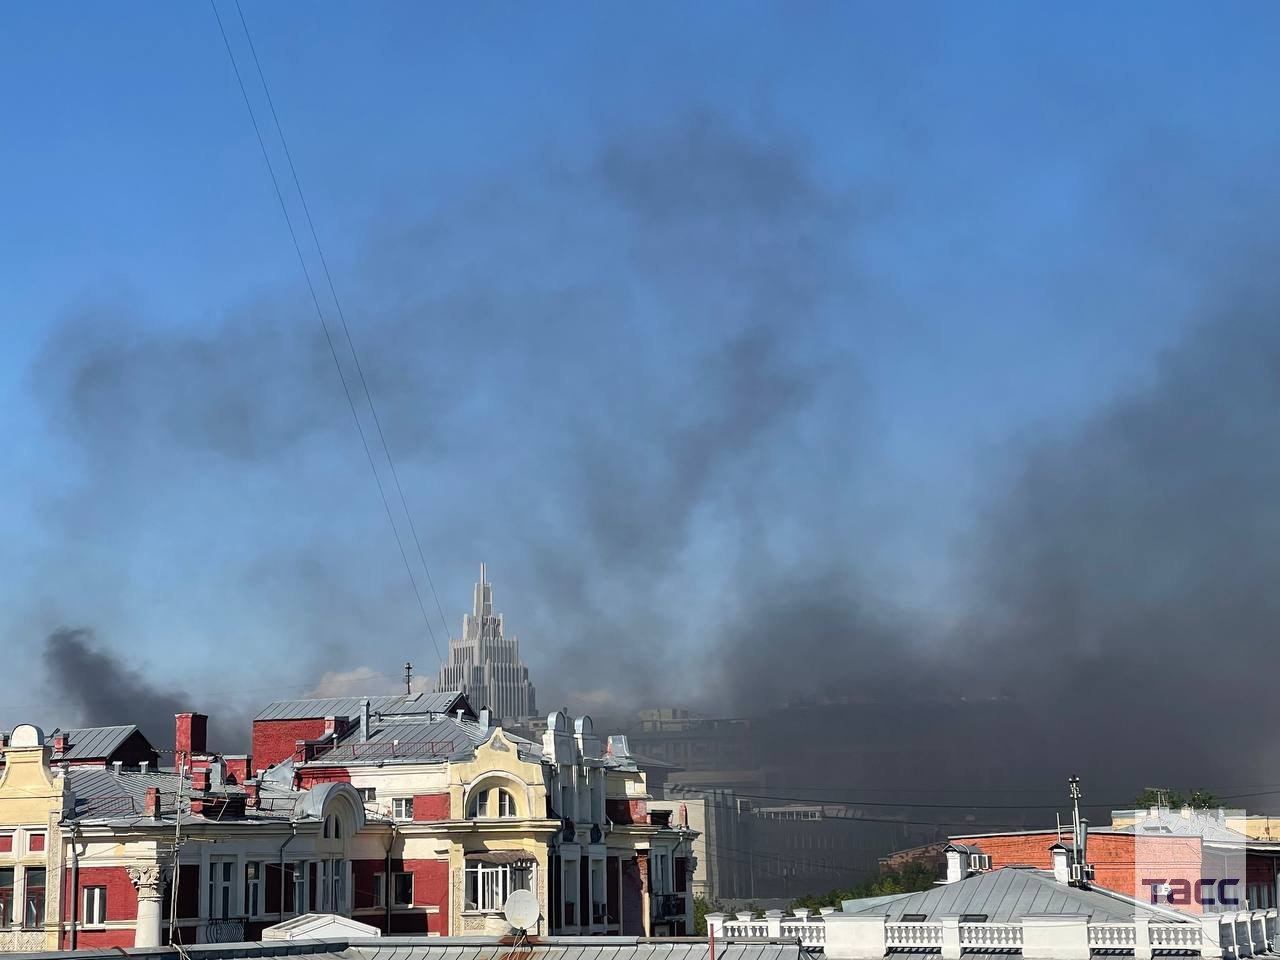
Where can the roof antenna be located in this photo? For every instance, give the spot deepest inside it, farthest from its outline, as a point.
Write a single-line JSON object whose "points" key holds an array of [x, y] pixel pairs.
{"points": [[1081, 871], [408, 679]]}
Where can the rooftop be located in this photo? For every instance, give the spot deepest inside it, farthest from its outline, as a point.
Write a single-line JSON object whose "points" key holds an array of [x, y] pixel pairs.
{"points": [[446, 701], [1008, 895], [461, 948]]}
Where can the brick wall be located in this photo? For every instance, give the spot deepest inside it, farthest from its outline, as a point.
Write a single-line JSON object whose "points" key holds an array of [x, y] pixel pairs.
{"points": [[310, 776], [430, 889], [122, 905], [274, 740], [1117, 859], [431, 806]]}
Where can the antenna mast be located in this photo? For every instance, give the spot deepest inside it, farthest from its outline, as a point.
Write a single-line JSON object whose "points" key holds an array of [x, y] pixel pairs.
{"points": [[1081, 872], [408, 679]]}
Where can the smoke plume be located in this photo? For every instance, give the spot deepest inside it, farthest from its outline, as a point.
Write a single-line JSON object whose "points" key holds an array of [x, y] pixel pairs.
{"points": [[93, 688]]}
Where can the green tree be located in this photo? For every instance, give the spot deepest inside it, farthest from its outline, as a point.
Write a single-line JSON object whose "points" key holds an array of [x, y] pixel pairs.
{"points": [[1175, 799], [701, 907], [909, 879]]}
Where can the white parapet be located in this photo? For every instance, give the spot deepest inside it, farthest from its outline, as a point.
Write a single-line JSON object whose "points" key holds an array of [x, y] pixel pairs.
{"points": [[1058, 937], [854, 937]]}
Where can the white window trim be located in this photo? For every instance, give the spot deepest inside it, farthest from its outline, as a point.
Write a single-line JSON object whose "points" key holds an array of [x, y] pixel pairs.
{"points": [[98, 900], [498, 877], [406, 805]]}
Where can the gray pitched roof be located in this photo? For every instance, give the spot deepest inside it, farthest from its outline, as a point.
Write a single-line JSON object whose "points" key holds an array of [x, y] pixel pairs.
{"points": [[416, 739], [93, 743], [442, 702], [103, 794], [1008, 895]]}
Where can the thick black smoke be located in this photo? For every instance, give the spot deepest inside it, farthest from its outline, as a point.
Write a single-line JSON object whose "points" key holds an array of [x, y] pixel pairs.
{"points": [[636, 385], [93, 688]]}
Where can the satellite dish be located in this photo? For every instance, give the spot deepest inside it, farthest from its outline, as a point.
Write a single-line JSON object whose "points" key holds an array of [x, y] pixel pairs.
{"points": [[522, 910]]}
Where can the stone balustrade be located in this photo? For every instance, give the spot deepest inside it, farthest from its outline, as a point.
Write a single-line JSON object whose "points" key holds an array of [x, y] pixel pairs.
{"points": [[841, 936]]}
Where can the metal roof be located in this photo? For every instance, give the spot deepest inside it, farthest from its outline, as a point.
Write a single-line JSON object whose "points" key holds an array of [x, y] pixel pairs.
{"points": [[1008, 895], [442, 702], [93, 743], [462, 948], [571, 948], [415, 739], [104, 794]]}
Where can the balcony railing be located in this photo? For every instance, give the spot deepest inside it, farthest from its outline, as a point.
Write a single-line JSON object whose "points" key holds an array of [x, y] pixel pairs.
{"points": [[1230, 936], [667, 906], [222, 931]]}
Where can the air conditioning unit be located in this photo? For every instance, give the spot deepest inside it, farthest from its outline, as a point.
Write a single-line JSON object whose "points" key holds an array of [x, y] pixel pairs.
{"points": [[1081, 872]]}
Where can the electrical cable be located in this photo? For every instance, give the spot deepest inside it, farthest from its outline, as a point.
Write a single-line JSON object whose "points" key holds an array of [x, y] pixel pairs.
{"points": [[293, 236]]}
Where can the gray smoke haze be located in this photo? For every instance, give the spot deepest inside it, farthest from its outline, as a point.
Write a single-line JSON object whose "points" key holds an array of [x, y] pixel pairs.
{"points": [[637, 386], [94, 688]]}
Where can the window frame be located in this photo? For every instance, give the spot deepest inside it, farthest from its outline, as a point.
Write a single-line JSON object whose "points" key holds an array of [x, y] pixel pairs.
{"points": [[380, 889], [486, 886], [7, 893], [221, 884], [253, 888], [29, 899], [93, 906], [405, 806]]}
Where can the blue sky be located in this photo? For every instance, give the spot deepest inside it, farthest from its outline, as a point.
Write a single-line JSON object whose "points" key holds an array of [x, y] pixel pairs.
{"points": [[996, 218]]}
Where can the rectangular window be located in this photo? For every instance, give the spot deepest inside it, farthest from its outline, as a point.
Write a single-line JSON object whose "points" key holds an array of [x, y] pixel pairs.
{"points": [[488, 885], [367, 794], [35, 842], [299, 889], [95, 906], [33, 911], [6, 897], [253, 889], [338, 902], [220, 880], [402, 808], [401, 889]]}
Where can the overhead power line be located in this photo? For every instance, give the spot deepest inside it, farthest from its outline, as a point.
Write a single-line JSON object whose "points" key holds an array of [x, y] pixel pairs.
{"points": [[333, 351], [342, 317]]}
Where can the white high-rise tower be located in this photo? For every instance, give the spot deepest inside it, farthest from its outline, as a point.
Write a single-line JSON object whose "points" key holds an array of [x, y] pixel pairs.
{"points": [[485, 665]]}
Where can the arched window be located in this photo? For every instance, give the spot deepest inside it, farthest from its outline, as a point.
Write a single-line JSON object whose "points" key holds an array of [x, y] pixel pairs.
{"points": [[506, 804], [492, 803]]}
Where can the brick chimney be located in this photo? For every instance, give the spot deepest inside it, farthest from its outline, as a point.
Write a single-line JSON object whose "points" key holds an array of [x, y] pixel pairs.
{"points": [[190, 737], [59, 743], [151, 803], [237, 767], [200, 780]]}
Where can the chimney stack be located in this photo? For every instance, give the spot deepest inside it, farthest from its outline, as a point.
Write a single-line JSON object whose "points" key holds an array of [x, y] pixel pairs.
{"points": [[151, 805], [957, 864], [1061, 863], [200, 780], [116, 765], [144, 766], [191, 737], [60, 743], [364, 720], [485, 717]]}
